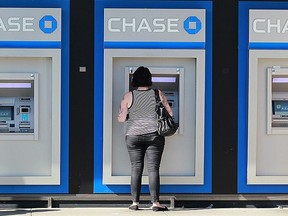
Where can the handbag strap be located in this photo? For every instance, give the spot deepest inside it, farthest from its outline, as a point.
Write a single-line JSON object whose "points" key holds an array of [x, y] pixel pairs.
{"points": [[157, 95], [159, 105]]}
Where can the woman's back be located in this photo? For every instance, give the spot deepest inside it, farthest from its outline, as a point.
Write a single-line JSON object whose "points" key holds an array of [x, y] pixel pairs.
{"points": [[142, 115]]}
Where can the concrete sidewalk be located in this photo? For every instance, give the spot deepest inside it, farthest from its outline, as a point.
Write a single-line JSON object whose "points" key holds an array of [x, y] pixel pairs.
{"points": [[144, 211]]}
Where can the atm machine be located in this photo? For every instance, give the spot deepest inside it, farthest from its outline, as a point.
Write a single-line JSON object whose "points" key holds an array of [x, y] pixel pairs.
{"points": [[17, 109], [277, 102]]}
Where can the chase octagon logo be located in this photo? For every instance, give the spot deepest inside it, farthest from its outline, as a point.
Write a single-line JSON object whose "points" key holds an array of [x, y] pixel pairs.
{"points": [[48, 24], [192, 25]]}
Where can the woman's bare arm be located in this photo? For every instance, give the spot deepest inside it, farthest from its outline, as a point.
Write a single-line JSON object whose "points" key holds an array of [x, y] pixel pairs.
{"points": [[165, 102], [125, 103]]}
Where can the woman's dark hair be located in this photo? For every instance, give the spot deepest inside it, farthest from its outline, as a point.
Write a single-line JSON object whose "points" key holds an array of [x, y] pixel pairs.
{"points": [[142, 77]]}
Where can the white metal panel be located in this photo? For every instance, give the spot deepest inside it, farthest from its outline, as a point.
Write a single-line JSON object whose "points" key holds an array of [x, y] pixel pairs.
{"points": [[267, 148], [183, 159], [35, 162]]}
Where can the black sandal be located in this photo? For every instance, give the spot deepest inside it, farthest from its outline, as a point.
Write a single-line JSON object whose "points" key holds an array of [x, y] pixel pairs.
{"points": [[133, 207], [159, 208]]}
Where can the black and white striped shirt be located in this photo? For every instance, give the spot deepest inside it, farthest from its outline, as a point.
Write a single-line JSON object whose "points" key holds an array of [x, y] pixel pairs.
{"points": [[142, 114]]}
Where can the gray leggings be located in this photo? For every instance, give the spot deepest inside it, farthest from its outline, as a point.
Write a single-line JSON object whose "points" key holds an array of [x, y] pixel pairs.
{"points": [[151, 145]]}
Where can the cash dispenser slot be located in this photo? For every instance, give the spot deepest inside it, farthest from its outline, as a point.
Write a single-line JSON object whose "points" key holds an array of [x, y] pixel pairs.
{"points": [[4, 128]]}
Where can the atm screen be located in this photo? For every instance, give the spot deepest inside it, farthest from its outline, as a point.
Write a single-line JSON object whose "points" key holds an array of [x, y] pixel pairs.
{"points": [[6, 113], [280, 107]]}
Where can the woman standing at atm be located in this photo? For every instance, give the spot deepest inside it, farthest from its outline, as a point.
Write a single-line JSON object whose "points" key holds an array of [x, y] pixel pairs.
{"points": [[142, 137]]}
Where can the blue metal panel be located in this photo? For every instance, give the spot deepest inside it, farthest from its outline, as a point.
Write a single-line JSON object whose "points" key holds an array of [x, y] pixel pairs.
{"points": [[243, 94], [268, 46], [155, 45], [64, 5], [30, 45], [99, 187]]}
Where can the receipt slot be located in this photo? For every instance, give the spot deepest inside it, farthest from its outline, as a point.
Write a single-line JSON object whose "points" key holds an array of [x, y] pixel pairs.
{"points": [[277, 100], [18, 106], [170, 80]]}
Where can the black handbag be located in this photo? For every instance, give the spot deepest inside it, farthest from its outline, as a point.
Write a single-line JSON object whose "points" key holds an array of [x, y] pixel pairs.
{"points": [[166, 123]]}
